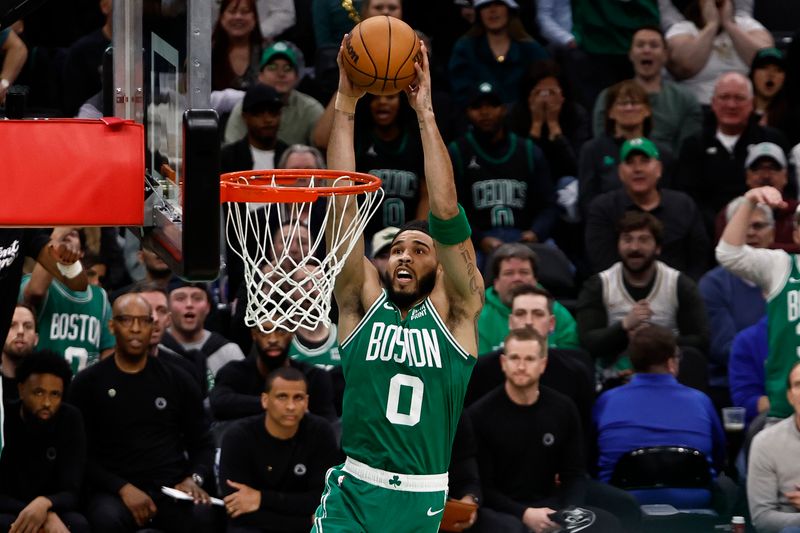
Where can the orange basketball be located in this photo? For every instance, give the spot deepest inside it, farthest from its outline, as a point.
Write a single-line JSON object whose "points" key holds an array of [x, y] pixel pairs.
{"points": [[379, 55]]}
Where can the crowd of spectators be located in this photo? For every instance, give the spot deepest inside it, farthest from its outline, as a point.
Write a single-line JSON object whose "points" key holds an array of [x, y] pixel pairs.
{"points": [[650, 143]]}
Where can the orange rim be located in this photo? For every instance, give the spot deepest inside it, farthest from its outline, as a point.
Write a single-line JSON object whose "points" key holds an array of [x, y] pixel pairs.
{"points": [[258, 186]]}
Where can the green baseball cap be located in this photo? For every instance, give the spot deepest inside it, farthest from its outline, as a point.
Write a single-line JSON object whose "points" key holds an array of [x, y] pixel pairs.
{"points": [[279, 48], [641, 145]]}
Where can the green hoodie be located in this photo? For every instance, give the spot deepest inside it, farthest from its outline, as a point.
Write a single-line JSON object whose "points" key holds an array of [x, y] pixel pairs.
{"points": [[493, 325]]}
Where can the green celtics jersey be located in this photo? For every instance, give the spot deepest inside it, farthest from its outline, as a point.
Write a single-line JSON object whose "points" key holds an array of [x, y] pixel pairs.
{"points": [[326, 355], [74, 323], [406, 380], [783, 333]]}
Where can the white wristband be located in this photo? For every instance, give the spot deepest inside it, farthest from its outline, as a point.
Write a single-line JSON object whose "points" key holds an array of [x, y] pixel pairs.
{"points": [[345, 104], [70, 271]]}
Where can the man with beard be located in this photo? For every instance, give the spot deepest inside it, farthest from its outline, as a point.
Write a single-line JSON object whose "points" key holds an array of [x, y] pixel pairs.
{"points": [[237, 392], [260, 148], [685, 245], [676, 113], [503, 178], [528, 437], [638, 291], [20, 342], [272, 467], [408, 342], [155, 271], [43, 460], [145, 429], [56, 253]]}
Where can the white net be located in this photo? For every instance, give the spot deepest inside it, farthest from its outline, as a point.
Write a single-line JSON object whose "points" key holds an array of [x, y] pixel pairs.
{"points": [[289, 269]]}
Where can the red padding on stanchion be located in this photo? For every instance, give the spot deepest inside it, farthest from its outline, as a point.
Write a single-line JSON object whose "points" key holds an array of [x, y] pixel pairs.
{"points": [[71, 172]]}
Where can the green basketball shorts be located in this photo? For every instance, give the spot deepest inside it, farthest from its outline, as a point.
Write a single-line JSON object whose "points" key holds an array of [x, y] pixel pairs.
{"points": [[361, 499]]}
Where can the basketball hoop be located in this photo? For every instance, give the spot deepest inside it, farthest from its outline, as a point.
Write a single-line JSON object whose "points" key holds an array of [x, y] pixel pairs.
{"points": [[288, 271]]}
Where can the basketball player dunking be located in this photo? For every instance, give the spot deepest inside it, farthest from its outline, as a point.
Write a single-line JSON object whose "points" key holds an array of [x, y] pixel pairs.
{"points": [[407, 343]]}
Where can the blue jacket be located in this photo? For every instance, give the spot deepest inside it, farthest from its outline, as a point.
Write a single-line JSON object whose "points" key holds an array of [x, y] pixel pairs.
{"points": [[656, 410], [746, 367], [732, 304]]}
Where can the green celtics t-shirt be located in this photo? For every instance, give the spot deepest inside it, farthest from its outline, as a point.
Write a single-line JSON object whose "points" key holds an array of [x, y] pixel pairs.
{"points": [[406, 380], [783, 328], [73, 323], [325, 356]]}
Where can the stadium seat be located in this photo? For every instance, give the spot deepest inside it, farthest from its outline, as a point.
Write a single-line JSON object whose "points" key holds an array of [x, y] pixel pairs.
{"points": [[662, 467], [667, 467]]}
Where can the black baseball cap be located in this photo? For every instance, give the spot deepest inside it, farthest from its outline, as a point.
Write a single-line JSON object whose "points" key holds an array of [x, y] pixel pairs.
{"points": [[768, 56], [179, 283], [483, 92], [261, 97]]}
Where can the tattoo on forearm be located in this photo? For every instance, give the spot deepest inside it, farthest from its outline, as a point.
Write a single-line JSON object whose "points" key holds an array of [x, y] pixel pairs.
{"points": [[472, 271]]}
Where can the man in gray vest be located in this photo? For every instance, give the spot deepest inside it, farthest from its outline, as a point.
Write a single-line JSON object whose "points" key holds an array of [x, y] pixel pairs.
{"points": [[638, 291]]}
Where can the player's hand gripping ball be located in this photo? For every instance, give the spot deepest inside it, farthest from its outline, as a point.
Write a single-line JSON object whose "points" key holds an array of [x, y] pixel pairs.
{"points": [[379, 55]]}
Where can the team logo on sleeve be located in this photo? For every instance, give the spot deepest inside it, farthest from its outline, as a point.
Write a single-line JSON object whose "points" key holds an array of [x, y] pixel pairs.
{"points": [[300, 469], [161, 403]]}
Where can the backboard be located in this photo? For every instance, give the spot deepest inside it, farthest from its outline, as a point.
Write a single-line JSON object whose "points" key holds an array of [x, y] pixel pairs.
{"points": [[162, 79]]}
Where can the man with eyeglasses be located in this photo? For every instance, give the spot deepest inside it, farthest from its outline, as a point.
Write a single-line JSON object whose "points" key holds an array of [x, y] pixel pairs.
{"points": [[157, 297], [282, 68], [766, 164], [272, 466], [732, 303], [777, 275], [711, 163], [145, 429]]}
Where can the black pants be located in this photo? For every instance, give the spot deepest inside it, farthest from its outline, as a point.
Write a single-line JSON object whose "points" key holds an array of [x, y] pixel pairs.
{"points": [[616, 501], [490, 521], [108, 514], [75, 522]]}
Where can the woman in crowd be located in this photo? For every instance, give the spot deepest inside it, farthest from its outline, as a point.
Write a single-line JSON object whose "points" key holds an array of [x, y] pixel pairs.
{"points": [[713, 40], [628, 116], [497, 50], [547, 113], [768, 74], [236, 46]]}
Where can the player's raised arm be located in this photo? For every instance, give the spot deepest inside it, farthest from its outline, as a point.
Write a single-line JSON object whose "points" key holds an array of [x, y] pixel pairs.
{"points": [[448, 224], [341, 156]]}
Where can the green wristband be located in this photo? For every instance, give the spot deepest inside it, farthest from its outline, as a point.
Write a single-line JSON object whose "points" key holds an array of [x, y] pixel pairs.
{"points": [[451, 231]]}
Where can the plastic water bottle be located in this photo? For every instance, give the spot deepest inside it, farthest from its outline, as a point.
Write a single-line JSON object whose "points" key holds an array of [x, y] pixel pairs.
{"points": [[737, 524]]}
